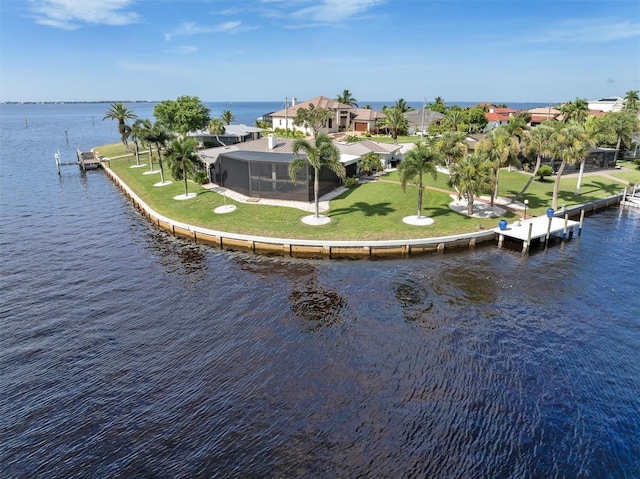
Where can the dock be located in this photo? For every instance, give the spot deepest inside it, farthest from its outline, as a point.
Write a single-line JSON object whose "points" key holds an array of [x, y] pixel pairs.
{"points": [[86, 160], [538, 227]]}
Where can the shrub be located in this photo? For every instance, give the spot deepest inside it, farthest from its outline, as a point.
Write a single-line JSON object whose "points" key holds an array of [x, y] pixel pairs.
{"points": [[544, 171], [637, 163], [351, 182], [352, 139]]}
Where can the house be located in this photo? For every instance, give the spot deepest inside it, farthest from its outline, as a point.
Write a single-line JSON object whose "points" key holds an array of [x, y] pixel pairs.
{"points": [[607, 104], [538, 115], [260, 168], [343, 117], [419, 120], [497, 116], [232, 134]]}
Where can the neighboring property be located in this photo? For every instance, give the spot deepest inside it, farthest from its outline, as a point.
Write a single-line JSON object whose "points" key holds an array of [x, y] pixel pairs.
{"points": [[472, 141], [232, 134], [497, 116], [389, 154], [597, 159], [607, 104], [344, 117], [419, 120], [538, 115]]}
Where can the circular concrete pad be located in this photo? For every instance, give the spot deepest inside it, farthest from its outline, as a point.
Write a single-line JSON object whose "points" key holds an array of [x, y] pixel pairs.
{"points": [[141, 165], [225, 209], [187, 196], [151, 172], [313, 221], [414, 220], [162, 183]]}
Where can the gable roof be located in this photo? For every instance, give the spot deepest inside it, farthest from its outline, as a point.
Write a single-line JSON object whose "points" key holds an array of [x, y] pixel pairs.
{"points": [[318, 102], [366, 114], [430, 116]]}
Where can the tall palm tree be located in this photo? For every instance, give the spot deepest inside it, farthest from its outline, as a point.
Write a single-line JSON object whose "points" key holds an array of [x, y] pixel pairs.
{"points": [[453, 119], [537, 144], [438, 105], [183, 160], [623, 125], [159, 136], [347, 99], [417, 162], [500, 148], [322, 152], [453, 146], [118, 111], [471, 176], [632, 101], [216, 128], [145, 132], [516, 127], [227, 117], [577, 110], [137, 134], [571, 146], [402, 105], [395, 122]]}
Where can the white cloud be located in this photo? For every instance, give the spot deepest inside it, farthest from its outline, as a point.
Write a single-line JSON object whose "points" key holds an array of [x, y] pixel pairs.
{"points": [[190, 28], [184, 49], [589, 31], [71, 14], [331, 11]]}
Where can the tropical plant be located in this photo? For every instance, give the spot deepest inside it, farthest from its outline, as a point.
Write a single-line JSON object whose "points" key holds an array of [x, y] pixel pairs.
{"points": [[438, 105], [537, 144], [118, 111], [576, 111], [321, 153], [500, 148], [136, 134], [370, 162], [183, 160], [516, 127], [145, 131], [312, 117], [216, 128], [183, 115], [471, 176], [395, 122], [570, 145], [622, 125], [543, 172], [453, 120], [227, 117], [453, 146], [475, 119], [347, 99], [631, 101], [418, 161], [402, 105], [159, 135]]}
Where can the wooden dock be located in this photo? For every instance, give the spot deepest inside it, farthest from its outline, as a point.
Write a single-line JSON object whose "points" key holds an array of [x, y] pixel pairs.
{"points": [[538, 227]]}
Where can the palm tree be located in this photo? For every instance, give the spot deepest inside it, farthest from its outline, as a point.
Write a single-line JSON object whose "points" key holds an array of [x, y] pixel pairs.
{"points": [[570, 145], [453, 146], [402, 105], [370, 162], [471, 177], [216, 128], [183, 160], [120, 112], [516, 127], [537, 144], [137, 134], [631, 100], [418, 161], [347, 99], [438, 105], [145, 131], [500, 148], [453, 119], [395, 122], [227, 117], [623, 125], [159, 135], [577, 110], [321, 153]]}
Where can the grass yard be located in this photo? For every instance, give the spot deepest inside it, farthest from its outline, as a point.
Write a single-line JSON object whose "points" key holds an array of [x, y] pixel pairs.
{"points": [[371, 211]]}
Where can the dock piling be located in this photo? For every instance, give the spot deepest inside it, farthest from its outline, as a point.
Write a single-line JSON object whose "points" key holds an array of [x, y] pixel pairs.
{"points": [[581, 221]]}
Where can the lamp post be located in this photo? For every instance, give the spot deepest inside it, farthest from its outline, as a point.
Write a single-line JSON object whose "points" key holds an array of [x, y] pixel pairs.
{"points": [[526, 203]]}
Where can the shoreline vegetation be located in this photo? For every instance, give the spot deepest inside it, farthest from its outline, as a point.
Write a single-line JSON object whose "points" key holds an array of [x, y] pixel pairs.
{"points": [[372, 211]]}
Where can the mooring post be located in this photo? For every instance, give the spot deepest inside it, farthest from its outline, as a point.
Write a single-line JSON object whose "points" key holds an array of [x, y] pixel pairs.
{"points": [[581, 221], [546, 238], [500, 240], [525, 246], [57, 157], [564, 231]]}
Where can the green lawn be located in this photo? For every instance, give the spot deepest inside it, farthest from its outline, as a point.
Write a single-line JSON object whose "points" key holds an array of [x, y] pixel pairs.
{"points": [[632, 176], [372, 211]]}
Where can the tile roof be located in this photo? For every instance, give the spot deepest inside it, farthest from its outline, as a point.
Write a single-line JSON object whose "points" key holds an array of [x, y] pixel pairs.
{"points": [[318, 102]]}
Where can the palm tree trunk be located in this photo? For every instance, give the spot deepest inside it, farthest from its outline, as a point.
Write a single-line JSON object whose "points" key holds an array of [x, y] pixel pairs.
{"points": [[577, 190], [469, 203], [184, 175], [615, 158], [420, 198], [316, 191], [160, 163], [137, 150], [494, 193], [150, 159], [556, 186], [530, 180]]}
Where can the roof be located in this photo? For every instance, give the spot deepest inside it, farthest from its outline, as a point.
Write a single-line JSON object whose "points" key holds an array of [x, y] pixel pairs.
{"points": [[544, 111], [367, 114], [430, 116], [541, 118], [229, 130], [496, 117], [318, 102]]}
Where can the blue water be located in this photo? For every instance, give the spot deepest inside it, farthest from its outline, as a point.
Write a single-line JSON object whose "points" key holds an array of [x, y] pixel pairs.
{"points": [[127, 353]]}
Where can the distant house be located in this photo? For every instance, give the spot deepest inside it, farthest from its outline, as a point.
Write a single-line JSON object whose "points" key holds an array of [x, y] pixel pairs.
{"points": [[538, 115], [607, 104], [419, 120], [232, 134], [260, 168], [497, 116], [389, 154], [344, 117]]}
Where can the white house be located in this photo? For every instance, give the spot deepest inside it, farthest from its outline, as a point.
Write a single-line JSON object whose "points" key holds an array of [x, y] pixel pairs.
{"points": [[607, 104]]}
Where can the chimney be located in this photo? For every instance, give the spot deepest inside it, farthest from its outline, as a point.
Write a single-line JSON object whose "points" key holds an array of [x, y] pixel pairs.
{"points": [[294, 100], [272, 140]]}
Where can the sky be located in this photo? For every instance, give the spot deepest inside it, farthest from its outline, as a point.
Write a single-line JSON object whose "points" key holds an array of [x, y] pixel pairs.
{"points": [[500, 51]]}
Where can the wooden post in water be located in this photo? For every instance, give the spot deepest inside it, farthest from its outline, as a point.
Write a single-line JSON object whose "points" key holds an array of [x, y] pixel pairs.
{"points": [[581, 221], [564, 231], [26, 122], [66, 135], [57, 157], [548, 235], [526, 244]]}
